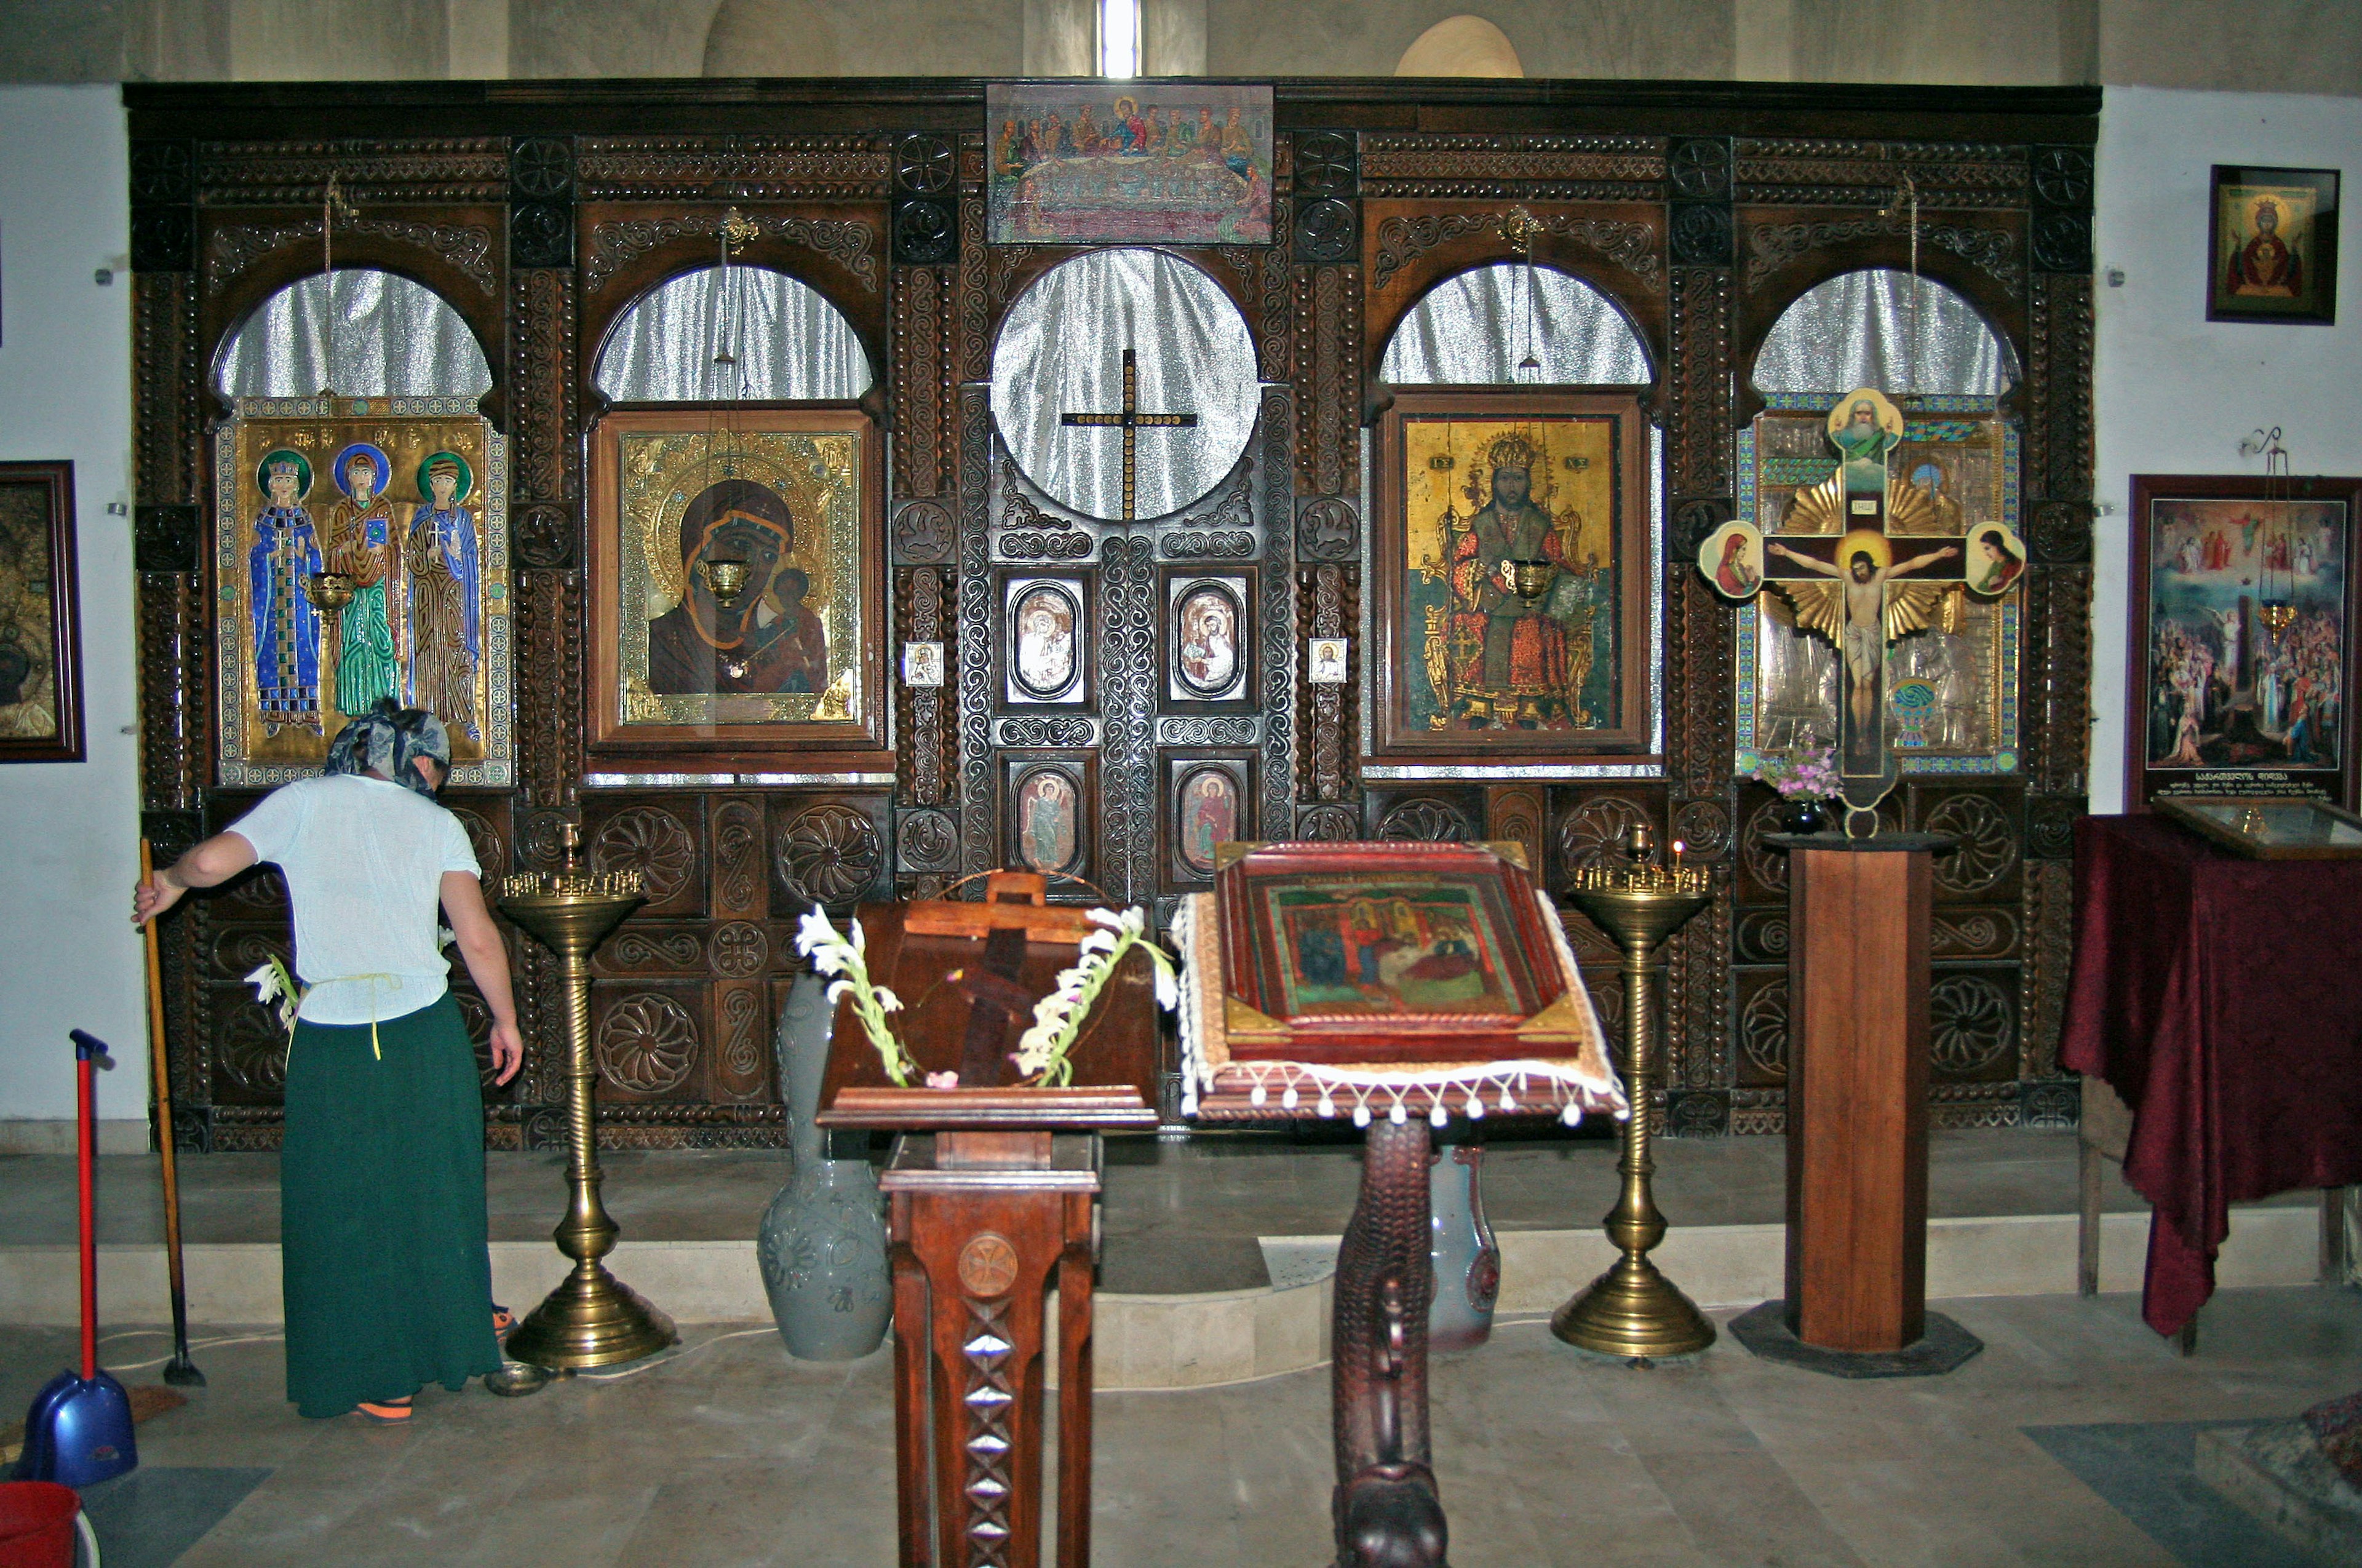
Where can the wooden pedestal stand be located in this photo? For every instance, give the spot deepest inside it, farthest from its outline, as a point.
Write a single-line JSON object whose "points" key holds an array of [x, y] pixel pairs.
{"points": [[982, 1215], [1858, 926]]}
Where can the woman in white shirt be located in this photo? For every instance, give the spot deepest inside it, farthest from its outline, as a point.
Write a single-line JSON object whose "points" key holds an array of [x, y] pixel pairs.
{"points": [[385, 1270]]}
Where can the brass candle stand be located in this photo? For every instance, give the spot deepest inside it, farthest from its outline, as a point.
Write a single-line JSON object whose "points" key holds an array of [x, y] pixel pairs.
{"points": [[592, 1318], [1632, 1310]]}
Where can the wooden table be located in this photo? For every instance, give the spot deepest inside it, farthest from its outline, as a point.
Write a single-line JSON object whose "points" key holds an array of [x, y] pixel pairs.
{"points": [[1385, 1506], [986, 1202]]}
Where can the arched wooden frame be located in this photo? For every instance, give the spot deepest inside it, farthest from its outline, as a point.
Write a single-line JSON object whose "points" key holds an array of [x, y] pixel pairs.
{"points": [[214, 362], [1387, 304], [861, 301], [1649, 352], [1757, 311], [600, 403], [222, 311], [1036, 262]]}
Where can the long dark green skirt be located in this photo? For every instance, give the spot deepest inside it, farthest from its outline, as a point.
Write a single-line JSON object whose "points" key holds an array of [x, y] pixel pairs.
{"points": [[382, 1232]]}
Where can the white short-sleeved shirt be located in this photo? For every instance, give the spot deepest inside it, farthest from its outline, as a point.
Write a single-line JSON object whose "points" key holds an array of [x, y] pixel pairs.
{"points": [[364, 861]]}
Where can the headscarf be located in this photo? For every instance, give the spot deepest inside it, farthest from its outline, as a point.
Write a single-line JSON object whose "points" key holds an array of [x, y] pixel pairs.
{"points": [[388, 740]]}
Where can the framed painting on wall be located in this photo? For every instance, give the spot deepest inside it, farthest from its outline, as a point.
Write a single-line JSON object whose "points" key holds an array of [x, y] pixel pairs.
{"points": [[2271, 247], [1121, 162], [41, 631], [1513, 579], [2244, 615], [736, 593], [361, 553]]}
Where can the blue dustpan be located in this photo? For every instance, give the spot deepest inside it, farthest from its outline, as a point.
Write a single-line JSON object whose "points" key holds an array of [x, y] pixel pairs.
{"points": [[79, 1429]]}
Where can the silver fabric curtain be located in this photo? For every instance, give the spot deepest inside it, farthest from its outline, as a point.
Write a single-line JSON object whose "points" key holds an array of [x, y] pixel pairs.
{"points": [[1474, 329], [1857, 330], [753, 333], [390, 338], [1061, 351]]}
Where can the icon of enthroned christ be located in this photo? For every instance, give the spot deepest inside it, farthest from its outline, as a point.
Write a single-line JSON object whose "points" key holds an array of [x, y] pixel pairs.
{"points": [[741, 627], [1510, 655]]}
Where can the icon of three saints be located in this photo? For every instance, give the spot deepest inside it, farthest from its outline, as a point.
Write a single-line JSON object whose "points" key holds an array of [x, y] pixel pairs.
{"points": [[400, 583]]}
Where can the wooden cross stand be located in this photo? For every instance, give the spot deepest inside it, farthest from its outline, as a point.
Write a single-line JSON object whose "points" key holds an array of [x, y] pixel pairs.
{"points": [[1131, 421], [985, 1212]]}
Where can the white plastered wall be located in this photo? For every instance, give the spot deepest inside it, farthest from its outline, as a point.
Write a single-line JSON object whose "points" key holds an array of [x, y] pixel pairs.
{"points": [[2176, 393], [69, 957]]}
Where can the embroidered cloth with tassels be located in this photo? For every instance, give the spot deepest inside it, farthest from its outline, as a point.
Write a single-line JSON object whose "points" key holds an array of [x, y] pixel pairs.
{"points": [[1216, 1087]]}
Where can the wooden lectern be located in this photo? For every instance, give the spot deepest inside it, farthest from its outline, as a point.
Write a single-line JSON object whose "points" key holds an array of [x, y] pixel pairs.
{"points": [[985, 1211], [1858, 980]]}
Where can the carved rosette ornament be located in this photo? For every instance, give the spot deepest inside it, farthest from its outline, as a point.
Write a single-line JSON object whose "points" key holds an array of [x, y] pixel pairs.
{"points": [[1423, 820], [646, 1043], [829, 853], [650, 841]]}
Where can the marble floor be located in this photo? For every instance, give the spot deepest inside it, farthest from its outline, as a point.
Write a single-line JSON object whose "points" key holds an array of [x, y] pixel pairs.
{"points": [[1178, 1216], [731, 1453]]}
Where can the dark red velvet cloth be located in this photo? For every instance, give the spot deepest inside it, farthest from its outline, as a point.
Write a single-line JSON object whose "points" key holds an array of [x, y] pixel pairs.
{"points": [[2221, 997]]}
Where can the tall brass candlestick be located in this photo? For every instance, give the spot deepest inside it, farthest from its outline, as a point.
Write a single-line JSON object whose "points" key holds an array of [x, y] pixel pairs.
{"points": [[592, 1318], [1632, 1310]]}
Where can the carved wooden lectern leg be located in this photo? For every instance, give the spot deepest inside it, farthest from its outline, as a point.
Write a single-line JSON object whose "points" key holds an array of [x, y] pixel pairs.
{"points": [[976, 1230], [1386, 1508]]}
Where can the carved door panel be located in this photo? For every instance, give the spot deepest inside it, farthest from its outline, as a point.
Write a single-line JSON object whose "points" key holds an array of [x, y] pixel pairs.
{"points": [[1137, 681]]}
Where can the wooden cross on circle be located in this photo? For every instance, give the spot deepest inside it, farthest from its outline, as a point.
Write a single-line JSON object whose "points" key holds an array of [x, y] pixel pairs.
{"points": [[1131, 421]]}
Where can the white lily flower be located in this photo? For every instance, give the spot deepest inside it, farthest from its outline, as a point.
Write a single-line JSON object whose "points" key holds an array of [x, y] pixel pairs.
{"points": [[265, 982], [1108, 918], [813, 930], [836, 990], [887, 1002], [1099, 942]]}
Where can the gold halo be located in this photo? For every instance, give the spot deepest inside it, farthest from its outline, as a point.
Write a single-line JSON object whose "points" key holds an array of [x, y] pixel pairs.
{"points": [[1868, 539]]}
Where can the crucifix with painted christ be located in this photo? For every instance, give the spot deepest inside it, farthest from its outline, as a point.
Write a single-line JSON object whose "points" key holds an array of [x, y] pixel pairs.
{"points": [[1865, 559], [1131, 421]]}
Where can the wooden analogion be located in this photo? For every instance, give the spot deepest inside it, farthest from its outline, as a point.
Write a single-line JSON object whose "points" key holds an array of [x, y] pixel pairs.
{"points": [[990, 1191]]}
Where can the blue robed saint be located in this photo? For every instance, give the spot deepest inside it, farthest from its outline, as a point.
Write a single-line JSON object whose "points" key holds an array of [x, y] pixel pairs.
{"points": [[284, 555]]}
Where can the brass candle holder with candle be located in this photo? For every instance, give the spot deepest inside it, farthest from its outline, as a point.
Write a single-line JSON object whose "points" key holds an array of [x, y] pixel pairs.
{"points": [[591, 1319], [1633, 1310]]}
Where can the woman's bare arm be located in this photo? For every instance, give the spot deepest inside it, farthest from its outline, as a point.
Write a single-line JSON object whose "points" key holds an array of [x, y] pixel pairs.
{"points": [[210, 863], [487, 958]]}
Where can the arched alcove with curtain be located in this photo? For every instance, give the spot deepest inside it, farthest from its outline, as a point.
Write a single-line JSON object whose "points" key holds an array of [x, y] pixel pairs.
{"points": [[358, 332], [1879, 327], [1509, 325], [737, 333]]}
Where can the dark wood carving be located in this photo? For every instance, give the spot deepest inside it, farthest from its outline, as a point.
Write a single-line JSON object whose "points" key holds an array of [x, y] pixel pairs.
{"points": [[1702, 211], [439, 171], [732, 167], [164, 350], [545, 456], [923, 403], [1327, 372]]}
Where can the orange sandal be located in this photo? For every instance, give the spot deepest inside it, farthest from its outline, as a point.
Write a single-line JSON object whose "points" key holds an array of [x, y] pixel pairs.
{"points": [[386, 1412]]}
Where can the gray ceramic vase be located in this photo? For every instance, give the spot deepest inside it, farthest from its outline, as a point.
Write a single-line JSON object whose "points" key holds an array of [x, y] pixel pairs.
{"points": [[823, 1242], [1467, 1260]]}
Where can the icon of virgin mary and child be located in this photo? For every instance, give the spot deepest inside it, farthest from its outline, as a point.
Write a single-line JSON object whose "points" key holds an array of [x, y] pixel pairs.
{"points": [[742, 627]]}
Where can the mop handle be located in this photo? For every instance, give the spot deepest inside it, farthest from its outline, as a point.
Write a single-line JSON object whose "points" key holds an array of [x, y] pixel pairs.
{"points": [[88, 1048]]}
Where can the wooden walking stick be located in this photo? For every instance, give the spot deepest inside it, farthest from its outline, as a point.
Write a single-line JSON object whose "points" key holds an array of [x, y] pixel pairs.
{"points": [[180, 1371]]}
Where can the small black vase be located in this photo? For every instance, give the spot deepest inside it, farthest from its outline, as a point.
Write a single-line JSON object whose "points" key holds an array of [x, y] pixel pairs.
{"points": [[1804, 815]]}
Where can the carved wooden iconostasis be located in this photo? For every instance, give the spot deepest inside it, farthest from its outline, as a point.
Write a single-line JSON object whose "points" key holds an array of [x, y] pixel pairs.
{"points": [[990, 675]]}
